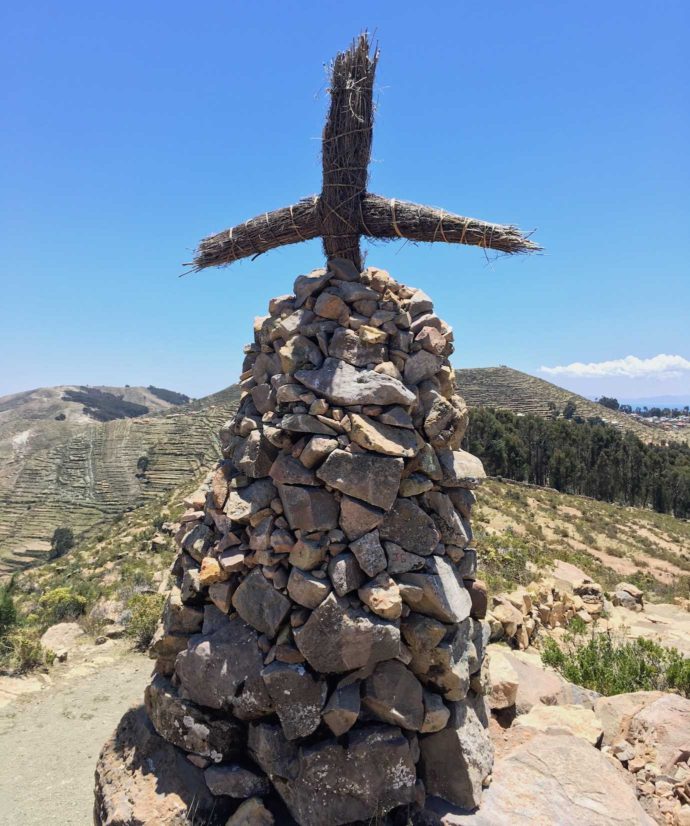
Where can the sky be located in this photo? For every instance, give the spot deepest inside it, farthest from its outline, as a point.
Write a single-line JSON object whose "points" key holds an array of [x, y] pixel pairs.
{"points": [[132, 130]]}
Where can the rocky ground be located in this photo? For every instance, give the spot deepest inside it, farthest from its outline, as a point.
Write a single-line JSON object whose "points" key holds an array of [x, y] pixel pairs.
{"points": [[52, 727]]}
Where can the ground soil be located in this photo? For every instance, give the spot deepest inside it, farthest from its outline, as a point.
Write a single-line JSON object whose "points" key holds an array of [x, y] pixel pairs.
{"points": [[52, 728]]}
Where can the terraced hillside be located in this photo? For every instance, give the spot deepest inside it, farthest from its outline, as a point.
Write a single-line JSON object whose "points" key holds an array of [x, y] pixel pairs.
{"points": [[522, 393], [78, 473]]}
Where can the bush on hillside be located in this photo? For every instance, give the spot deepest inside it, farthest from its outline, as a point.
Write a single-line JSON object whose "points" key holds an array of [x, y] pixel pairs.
{"points": [[21, 651], [610, 665], [62, 541], [8, 612], [61, 605], [146, 611]]}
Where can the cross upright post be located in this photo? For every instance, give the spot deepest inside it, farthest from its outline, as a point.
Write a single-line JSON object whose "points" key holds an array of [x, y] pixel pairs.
{"points": [[345, 210]]}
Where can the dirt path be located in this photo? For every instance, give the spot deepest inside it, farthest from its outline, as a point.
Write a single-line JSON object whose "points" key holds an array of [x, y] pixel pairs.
{"points": [[52, 729]]}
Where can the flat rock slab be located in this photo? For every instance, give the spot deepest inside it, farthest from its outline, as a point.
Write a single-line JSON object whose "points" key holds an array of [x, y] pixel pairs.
{"points": [[341, 383], [374, 479], [581, 722], [552, 779]]}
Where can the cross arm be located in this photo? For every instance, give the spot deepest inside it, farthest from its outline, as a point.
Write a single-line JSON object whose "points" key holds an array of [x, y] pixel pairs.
{"points": [[379, 218]]}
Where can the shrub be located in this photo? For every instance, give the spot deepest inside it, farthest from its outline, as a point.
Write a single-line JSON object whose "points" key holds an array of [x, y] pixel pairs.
{"points": [[146, 611], [8, 612], [21, 651], [614, 665], [62, 604], [62, 541]]}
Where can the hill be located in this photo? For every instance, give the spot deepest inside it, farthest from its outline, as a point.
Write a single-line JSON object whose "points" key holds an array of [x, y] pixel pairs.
{"points": [[504, 387], [61, 465]]}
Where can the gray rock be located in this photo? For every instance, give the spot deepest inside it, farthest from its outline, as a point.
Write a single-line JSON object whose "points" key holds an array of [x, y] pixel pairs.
{"points": [[297, 698], [444, 598], [374, 479], [436, 713], [351, 291], [409, 526], [369, 553], [460, 469], [260, 605], [420, 303], [358, 518], [316, 450], [306, 285], [245, 502], [341, 383], [338, 785], [448, 521], [254, 455], [197, 541], [186, 726], [342, 709], [223, 670], [272, 751], [345, 573], [394, 695], [308, 509], [307, 590], [235, 781], [456, 761], [338, 638], [251, 812], [308, 554], [286, 470], [179, 618], [349, 347], [447, 667], [304, 423], [401, 561], [420, 366], [299, 352]]}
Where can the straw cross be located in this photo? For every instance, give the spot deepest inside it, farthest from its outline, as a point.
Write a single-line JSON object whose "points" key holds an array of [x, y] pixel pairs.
{"points": [[344, 211]]}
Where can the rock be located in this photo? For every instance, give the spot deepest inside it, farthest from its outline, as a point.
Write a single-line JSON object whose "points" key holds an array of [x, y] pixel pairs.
{"points": [[316, 450], [308, 509], [254, 455], [447, 666], [342, 709], [345, 573], [307, 590], [442, 596], [338, 638], [286, 470], [570, 719], [554, 779], [613, 711], [62, 638], [299, 352], [129, 792], [394, 695], [307, 554], [382, 596], [509, 617], [341, 383], [409, 526], [331, 306], [666, 723], [420, 366], [245, 502], [447, 520], [478, 597], [400, 561], [436, 713], [419, 303], [383, 438], [456, 761], [369, 553], [178, 618], [304, 423], [355, 291], [297, 698], [211, 572], [504, 682], [190, 728], [358, 518], [374, 479], [460, 469], [306, 285], [260, 605], [272, 751], [338, 785], [422, 633], [222, 669], [350, 347], [235, 781], [251, 812]]}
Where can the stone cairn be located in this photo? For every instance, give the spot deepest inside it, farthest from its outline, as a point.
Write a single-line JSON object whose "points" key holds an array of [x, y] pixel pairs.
{"points": [[323, 645]]}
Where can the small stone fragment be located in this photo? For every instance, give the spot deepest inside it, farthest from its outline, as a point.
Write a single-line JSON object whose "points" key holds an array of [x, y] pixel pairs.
{"points": [[342, 709], [382, 595], [235, 781], [369, 553]]}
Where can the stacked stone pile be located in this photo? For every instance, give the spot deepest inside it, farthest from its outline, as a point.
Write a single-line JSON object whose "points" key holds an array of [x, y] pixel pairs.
{"points": [[326, 635]]}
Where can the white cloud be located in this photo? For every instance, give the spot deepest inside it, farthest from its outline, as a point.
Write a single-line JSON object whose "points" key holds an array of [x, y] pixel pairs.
{"points": [[659, 367]]}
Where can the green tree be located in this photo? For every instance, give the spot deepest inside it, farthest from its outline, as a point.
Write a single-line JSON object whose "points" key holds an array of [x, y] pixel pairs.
{"points": [[610, 402], [8, 612], [62, 541]]}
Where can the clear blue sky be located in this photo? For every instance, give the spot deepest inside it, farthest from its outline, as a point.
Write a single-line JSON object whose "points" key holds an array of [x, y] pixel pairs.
{"points": [[131, 130]]}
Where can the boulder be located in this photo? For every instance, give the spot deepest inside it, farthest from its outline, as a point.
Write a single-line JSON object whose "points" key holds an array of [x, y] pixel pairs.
{"points": [[251, 812], [235, 781], [504, 682], [374, 479], [665, 723], [341, 383], [614, 711], [308, 509], [244, 502], [382, 438], [358, 518], [575, 720], [296, 696], [394, 695], [442, 595], [260, 605], [460, 469], [338, 638], [62, 638], [410, 527], [456, 762], [552, 779]]}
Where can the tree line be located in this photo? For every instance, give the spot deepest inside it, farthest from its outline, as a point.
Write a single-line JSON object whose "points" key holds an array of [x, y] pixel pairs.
{"points": [[580, 456]]}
